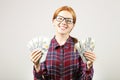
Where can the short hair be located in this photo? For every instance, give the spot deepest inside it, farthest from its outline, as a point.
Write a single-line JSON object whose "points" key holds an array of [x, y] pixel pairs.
{"points": [[65, 8]]}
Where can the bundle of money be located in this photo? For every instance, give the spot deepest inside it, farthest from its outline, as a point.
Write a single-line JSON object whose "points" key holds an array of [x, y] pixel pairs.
{"points": [[83, 46], [39, 43]]}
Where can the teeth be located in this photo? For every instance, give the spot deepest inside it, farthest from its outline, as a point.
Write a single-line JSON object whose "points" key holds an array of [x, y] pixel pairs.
{"points": [[63, 28]]}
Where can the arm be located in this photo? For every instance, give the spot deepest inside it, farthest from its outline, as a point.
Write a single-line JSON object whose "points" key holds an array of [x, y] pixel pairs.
{"points": [[87, 68], [39, 74], [38, 69], [85, 73]]}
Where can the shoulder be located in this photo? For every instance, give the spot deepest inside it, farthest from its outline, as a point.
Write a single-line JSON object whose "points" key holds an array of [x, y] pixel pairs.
{"points": [[75, 40]]}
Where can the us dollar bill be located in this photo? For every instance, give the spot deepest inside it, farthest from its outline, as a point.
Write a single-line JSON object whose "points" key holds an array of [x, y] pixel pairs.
{"points": [[83, 46], [39, 43]]}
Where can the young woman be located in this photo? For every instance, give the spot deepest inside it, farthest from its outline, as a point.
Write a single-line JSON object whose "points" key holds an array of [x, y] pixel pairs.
{"points": [[62, 61]]}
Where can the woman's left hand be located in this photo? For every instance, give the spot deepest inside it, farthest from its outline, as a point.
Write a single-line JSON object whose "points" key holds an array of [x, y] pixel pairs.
{"points": [[90, 56]]}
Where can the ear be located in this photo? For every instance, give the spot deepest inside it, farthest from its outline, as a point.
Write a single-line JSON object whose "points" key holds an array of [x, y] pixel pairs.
{"points": [[73, 25], [53, 22]]}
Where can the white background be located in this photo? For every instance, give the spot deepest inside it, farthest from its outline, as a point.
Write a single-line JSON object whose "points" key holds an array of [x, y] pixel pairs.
{"points": [[21, 20]]}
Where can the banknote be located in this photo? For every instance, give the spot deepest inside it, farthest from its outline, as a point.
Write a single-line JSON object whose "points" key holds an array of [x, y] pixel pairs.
{"points": [[39, 43], [83, 46]]}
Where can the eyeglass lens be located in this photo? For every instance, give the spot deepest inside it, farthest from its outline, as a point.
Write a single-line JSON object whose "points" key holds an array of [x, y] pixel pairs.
{"points": [[61, 18]]}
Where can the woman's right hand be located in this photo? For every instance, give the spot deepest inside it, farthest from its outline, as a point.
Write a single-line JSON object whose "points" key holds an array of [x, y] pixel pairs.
{"points": [[36, 56]]}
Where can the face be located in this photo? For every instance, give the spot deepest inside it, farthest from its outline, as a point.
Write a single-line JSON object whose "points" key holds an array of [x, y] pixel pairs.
{"points": [[63, 22]]}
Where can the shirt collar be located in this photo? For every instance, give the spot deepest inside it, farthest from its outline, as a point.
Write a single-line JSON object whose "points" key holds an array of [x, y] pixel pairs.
{"points": [[66, 45]]}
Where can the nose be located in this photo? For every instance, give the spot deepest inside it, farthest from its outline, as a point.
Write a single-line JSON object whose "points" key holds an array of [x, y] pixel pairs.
{"points": [[64, 22]]}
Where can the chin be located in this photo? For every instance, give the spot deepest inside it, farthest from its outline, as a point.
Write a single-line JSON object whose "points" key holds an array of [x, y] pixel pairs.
{"points": [[62, 33]]}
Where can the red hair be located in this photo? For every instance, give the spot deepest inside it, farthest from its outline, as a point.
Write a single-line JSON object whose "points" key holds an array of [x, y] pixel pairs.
{"points": [[65, 8]]}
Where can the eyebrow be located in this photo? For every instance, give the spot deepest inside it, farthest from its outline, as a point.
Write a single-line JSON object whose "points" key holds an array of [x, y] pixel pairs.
{"points": [[65, 17]]}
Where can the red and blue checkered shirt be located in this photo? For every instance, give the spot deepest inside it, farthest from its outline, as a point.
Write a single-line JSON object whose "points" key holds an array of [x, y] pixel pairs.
{"points": [[63, 63]]}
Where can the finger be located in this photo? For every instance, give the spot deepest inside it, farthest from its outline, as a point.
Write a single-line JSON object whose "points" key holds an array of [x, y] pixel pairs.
{"points": [[38, 56], [36, 60], [35, 53], [89, 54], [90, 59]]}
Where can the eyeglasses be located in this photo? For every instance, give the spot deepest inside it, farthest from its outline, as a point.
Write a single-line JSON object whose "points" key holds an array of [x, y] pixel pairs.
{"points": [[67, 20]]}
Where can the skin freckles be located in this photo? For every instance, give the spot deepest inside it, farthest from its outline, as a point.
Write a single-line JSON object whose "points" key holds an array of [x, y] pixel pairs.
{"points": [[62, 27]]}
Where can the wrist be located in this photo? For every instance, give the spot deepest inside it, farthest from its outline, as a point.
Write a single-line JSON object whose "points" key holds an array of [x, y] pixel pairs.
{"points": [[89, 64], [37, 67]]}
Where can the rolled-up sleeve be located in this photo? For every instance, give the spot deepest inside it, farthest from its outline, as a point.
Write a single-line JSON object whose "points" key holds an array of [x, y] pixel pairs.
{"points": [[86, 74], [40, 74]]}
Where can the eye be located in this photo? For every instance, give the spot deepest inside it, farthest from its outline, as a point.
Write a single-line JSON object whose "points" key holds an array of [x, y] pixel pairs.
{"points": [[69, 20], [59, 18]]}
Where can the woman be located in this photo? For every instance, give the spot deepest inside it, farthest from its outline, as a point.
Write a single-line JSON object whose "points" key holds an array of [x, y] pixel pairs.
{"points": [[62, 61]]}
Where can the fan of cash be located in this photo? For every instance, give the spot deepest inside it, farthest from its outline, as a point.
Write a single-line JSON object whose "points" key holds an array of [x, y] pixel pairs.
{"points": [[39, 43], [87, 45]]}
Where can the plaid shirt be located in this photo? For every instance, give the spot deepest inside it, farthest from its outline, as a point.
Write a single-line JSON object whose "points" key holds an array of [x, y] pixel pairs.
{"points": [[63, 63]]}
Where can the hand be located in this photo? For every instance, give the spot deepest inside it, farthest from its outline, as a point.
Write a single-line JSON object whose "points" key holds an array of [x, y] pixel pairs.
{"points": [[90, 56], [36, 56]]}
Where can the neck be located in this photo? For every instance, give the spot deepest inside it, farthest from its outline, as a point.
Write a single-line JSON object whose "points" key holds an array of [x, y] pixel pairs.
{"points": [[61, 39]]}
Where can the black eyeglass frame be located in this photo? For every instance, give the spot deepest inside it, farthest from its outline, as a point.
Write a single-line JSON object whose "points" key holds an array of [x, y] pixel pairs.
{"points": [[66, 19]]}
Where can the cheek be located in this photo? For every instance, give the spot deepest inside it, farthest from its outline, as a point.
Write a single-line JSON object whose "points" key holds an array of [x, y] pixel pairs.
{"points": [[71, 26], [55, 23]]}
